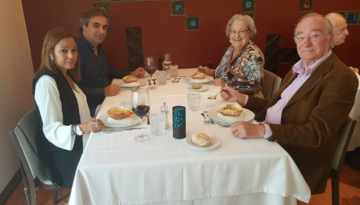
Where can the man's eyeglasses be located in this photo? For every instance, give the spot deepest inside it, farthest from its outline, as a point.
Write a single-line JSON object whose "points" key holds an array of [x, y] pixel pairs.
{"points": [[241, 32], [302, 37]]}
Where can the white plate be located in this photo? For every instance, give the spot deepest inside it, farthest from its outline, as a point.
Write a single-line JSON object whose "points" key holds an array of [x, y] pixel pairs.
{"points": [[127, 103], [202, 89], [129, 121], [216, 143], [246, 115], [138, 83], [189, 80]]}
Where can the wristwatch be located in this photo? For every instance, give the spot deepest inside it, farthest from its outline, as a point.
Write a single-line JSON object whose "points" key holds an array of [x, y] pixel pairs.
{"points": [[76, 130]]}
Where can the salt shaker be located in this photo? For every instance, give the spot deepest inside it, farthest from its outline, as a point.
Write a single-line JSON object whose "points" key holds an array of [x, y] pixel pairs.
{"points": [[165, 109]]}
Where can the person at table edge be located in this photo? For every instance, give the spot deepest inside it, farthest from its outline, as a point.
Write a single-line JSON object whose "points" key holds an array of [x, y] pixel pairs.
{"points": [[306, 113], [95, 68], [242, 65]]}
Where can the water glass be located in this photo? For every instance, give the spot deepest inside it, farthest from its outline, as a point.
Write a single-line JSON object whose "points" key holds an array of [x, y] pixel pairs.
{"points": [[157, 123], [173, 71], [161, 77], [194, 101]]}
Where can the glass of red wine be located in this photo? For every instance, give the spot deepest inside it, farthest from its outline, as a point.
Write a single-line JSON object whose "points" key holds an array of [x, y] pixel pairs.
{"points": [[140, 105], [150, 67]]}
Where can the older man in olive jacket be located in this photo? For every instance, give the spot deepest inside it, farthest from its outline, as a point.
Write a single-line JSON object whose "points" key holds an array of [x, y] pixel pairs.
{"points": [[306, 113]]}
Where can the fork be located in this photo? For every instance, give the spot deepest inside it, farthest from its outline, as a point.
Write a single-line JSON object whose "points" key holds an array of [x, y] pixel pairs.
{"points": [[223, 125]]}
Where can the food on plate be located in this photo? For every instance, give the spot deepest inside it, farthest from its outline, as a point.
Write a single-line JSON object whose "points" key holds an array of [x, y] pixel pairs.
{"points": [[202, 139], [198, 75], [196, 86], [119, 112], [130, 79], [231, 110]]}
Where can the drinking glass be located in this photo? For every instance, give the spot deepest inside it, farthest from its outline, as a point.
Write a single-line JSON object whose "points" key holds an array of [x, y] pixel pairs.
{"points": [[166, 62], [140, 105], [194, 101], [150, 67]]}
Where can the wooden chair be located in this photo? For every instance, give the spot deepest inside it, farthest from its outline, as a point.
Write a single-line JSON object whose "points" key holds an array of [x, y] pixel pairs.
{"points": [[29, 125], [345, 134], [270, 83]]}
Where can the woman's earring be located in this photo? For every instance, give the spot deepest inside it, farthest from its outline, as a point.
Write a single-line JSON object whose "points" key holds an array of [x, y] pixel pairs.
{"points": [[52, 58]]}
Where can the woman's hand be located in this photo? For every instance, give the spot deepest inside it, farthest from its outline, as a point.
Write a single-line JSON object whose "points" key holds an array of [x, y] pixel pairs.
{"points": [[232, 95], [206, 70], [94, 125], [219, 82]]}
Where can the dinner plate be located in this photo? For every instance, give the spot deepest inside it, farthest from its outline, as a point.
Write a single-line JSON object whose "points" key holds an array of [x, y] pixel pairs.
{"points": [[202, 89], [246, 115], [129, 121], [139, 83], [216, 143], [127, 103], [189, 80]]}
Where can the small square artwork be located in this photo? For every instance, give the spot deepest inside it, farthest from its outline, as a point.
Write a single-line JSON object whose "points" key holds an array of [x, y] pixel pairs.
{"points": [[251, 14], [105, 7], [248, 5], [352, 17], [193, 23], [306, 5], [178, 8]]}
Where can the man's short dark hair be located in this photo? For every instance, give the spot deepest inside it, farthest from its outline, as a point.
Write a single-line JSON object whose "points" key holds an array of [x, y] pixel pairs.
{"points": [[87, 14]]}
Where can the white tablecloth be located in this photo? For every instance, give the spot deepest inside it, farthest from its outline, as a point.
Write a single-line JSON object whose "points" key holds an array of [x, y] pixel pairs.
{"points": [[355, 115], [116, 169]]}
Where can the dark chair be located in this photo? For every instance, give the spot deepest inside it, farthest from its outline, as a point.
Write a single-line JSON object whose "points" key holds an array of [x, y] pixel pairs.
{"points": [[270, 83], [30, 125], [345, 134]]}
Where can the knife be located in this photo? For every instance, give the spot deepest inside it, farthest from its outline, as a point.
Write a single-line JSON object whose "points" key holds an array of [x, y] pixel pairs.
{"points": [[122, 129]]}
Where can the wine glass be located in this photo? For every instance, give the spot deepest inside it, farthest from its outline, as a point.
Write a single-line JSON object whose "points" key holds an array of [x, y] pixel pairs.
{"points": [[166, 63], [150, 67], [140, 105]]}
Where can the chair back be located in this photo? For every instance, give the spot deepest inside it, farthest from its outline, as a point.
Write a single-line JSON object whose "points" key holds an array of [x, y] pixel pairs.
{"points": [[345, 134], [270, 83], [30, 126]]}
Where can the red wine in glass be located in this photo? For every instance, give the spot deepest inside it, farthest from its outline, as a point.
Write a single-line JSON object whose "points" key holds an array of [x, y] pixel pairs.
{"points": [[140, 105], [141, 110]]}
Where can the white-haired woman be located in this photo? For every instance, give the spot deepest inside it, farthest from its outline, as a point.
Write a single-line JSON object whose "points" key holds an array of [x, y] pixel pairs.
{"points": [[242, 65]]}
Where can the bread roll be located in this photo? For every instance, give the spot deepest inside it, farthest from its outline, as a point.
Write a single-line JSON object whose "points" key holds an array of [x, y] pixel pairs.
{"points": [[202, 139], [129, 79], [196, 86]]}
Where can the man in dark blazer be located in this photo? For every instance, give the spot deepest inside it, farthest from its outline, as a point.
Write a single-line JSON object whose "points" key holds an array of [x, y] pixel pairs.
{"points": [[306, 113]]}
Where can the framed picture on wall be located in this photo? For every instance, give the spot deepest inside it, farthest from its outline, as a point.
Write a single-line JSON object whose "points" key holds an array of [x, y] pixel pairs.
{"points": [[352, 17], [248, 5], [178, 8], [306, 5], [193, 23], [105, 7], [343, 13]]}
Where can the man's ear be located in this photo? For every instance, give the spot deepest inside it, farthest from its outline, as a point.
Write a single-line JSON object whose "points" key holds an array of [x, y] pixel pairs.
{"points": [[83, 27]]}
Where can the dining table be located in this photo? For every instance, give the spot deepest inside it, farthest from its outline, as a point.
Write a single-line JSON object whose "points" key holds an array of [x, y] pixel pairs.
{"points": [[116, 169]]}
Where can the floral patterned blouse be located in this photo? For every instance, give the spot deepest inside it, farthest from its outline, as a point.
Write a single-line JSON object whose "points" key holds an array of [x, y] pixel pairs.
{"points": [[245, 72]]}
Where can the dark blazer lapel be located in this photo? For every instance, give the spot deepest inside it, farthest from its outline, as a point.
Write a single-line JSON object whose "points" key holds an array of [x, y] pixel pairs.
{"points": [[314, 79]]}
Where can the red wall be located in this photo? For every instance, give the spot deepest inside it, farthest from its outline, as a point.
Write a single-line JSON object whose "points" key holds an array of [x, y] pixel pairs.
{"points": [[163, 33]]}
